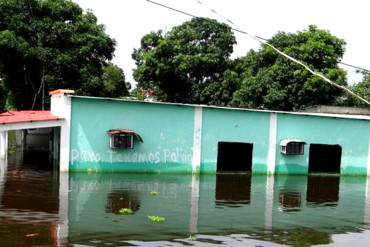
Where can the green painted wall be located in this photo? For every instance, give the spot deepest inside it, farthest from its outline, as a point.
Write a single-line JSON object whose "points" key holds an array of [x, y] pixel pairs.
{"points": [[235, 126], [352, 135], [167, 131]]}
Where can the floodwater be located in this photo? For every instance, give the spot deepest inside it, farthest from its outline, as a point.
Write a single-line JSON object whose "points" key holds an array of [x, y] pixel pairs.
{"points": [[42, 208]]}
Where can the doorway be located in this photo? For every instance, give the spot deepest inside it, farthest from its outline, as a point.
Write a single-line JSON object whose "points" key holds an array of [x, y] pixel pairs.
{"points": [[234, 157], [324, 158], [34, 149]]}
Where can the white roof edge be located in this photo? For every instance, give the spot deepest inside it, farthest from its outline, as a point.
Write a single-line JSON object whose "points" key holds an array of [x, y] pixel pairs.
{"points": [[332, 115], [286, 141]]}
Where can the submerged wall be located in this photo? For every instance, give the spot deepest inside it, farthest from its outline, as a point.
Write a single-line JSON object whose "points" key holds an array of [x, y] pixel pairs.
{"points": [[167, 131], [184, 138]]}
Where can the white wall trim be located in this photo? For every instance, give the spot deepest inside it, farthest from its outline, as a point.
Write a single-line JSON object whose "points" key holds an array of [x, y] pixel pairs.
{"points": [[31, 125], [194, 204], [63, 209], [367, 202], [61, 107], [197, 140], [368, 159], [269, 202], [271, 157], [3, 153]]}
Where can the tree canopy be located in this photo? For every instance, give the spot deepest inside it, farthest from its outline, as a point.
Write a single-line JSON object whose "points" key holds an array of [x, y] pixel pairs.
{"points": [[51, 44], [114, 80], [271, 81], [180, 64], [363, 89], [191, 63]]}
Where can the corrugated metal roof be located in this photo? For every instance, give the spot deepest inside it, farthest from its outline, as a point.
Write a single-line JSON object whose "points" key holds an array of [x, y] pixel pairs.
{"points": [[12, 117]]}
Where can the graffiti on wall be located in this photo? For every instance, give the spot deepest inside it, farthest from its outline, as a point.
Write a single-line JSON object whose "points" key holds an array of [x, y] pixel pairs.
{"points": [[175, 155]]}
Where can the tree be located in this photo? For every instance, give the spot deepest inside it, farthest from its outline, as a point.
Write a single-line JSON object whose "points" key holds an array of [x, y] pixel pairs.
{"points": [[270, 81], [363, 89], [2, 96], [50, 44], [221, 92], [180, 64], [115, 84]]}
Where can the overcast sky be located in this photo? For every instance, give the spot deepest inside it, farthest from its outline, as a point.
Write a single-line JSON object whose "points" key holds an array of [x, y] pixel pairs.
{"points": [[127, 21]]}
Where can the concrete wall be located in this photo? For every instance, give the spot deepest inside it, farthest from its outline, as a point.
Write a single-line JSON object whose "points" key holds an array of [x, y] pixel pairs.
{"points": [[175, 135], [235, 126], [167, 132], [351, 134]]}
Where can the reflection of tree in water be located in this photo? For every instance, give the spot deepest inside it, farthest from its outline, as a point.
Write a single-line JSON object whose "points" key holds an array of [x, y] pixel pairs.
{"points": [[118, 199]]}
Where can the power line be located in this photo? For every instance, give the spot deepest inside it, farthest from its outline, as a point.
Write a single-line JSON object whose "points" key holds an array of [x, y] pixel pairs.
{"points": [[173, 9], [233, 23], [264, 42], [355, 67]]}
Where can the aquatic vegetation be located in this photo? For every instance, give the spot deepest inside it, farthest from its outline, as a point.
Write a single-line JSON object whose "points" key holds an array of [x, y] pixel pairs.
{"points": [[125, 211], [154, 193], [156, 219]]}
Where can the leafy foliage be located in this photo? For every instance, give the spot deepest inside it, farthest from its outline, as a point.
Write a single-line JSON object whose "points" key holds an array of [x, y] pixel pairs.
{"points": [[362, 89], [271, 81], [50, 44], [180, 64], [115, 84]]}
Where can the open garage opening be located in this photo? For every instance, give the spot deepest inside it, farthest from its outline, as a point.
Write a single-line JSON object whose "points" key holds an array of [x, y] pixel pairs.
{"points": [[34, 148], [234, 157]]}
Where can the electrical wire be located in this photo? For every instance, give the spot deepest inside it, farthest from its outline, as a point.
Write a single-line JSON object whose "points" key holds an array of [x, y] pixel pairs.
{"points": [[355, 67], [264, 42]]}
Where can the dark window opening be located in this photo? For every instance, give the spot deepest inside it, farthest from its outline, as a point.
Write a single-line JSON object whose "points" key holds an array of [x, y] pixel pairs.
{"points": [[324, 158], [234, 157], [233, 189], [322, 191]]}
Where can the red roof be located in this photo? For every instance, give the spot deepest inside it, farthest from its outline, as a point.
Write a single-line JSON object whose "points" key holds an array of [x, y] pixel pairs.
{"points": [[11, 117]]}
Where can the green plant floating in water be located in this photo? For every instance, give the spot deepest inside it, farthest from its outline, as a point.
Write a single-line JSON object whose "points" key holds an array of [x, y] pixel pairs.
{"points": [[125, 211], [156, 219], [154, 193]]}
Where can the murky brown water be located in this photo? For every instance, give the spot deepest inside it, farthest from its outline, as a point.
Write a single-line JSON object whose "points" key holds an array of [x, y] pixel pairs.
{"points": [[41, 208]]}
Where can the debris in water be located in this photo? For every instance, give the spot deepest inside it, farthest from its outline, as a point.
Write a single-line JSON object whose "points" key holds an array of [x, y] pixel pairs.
{"points": [[156, 219], [154, 193], [125, 211], [32, 235]]}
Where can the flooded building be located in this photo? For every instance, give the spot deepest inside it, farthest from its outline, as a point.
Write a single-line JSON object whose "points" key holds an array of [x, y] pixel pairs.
{"points": [[114, 135]]}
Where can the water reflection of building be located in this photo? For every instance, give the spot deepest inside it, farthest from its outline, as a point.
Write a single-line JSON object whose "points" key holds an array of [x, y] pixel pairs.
{"points": [[30, 209], [232, 190], [267, 208], [322, 191], [121, 198], [289, 201]]}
